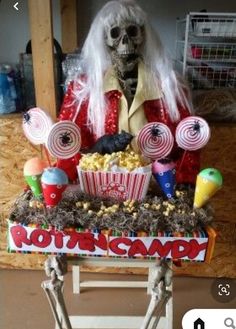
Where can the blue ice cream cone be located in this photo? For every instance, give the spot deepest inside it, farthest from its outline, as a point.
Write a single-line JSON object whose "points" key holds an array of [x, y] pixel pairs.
{"points": [[164, 174]]}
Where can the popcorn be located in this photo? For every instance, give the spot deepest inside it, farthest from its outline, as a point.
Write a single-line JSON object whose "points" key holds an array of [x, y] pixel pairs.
{"points": [[146, 205], [86, 205], [127, 159], [129, 203], [179, 193], [100, 213], [79, 204], [36, 204], [120, 175], [155, 206], [135, 215]]}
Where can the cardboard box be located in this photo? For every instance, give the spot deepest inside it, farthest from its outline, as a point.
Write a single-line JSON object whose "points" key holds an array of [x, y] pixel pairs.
{"points": [[198, 246]]}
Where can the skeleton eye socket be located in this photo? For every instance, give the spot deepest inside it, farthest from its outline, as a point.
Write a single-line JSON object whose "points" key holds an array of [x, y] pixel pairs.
{"points": [[132, 31], [115, 32]]}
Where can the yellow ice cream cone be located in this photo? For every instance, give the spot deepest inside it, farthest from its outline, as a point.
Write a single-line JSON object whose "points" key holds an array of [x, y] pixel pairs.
{"points": [[209, 181]]}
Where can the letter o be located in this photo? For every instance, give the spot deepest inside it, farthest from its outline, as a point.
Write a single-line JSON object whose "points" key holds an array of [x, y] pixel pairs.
{"points": [[44, 241]]}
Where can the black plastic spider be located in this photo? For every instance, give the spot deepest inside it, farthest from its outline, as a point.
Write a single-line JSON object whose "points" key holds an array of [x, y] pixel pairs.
{"points": [[155, 131], [26, 117], [65, 138], [196, 127]]}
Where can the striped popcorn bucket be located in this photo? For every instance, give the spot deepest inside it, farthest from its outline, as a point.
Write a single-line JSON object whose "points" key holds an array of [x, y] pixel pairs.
{"points": [[122, 186]]}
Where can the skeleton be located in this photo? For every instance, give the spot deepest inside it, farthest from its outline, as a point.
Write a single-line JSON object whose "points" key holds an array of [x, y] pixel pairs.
{"points": [[162, 279], [56, 268], [124, 41]]}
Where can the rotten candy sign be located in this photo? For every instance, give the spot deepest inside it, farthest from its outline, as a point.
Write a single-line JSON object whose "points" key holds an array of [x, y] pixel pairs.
{"points": [[91, 243]]}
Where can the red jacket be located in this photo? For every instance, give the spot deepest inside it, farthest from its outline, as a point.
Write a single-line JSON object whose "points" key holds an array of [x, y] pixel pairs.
{"points": [[187, 163]]}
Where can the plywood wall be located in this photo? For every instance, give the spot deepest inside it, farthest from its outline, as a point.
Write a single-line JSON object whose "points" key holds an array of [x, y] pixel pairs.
{"points": [[220, 153], [14, 151]]}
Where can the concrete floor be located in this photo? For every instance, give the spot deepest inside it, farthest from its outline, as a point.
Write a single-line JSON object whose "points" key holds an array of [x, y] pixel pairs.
{"points": [[23, 304]]}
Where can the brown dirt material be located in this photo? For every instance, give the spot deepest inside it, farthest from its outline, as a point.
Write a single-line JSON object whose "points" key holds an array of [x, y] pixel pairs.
{"points": [[79, 210]]}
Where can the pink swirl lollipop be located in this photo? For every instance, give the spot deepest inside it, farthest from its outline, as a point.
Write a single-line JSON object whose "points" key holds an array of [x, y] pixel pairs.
{"points": [[192, 133], [64, 140], [36, 125], [155, 140]]}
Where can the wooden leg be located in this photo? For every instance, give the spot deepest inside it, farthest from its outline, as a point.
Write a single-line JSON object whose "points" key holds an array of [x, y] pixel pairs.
{"points": [[169, 313], [76, 279]]}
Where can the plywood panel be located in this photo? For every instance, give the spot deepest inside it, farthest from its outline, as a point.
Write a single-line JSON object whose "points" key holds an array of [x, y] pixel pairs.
{"points": [[15, 150]]}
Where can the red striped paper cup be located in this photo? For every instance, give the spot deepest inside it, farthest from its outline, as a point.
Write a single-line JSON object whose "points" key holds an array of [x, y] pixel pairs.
{"points": [[122, 186]]}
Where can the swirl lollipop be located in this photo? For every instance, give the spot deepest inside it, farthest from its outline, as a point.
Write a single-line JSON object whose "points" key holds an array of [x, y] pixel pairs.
{"points": [[64, 140], [36, 125], [155, 140], [192, 133]]}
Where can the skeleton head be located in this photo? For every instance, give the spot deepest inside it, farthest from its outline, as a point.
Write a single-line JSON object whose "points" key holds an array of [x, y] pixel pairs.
{"points": [[124, 42]]}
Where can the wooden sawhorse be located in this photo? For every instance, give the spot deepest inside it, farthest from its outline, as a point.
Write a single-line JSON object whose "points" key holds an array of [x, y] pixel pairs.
{"points": [[158, 285], [111, 262]]}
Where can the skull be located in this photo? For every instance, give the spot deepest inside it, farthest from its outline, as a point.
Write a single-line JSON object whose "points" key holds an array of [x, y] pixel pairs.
{"points": [[124, 42]]}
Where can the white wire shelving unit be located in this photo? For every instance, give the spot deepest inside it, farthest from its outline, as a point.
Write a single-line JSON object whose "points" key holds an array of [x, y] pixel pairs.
{"points": [[206, 49]]}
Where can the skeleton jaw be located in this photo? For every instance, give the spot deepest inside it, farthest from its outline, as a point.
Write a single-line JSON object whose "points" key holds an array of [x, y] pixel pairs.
{"points": [[125, 52]]}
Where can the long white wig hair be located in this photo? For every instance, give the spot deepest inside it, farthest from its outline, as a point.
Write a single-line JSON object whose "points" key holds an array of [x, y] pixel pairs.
{"points": [[95, 60]]}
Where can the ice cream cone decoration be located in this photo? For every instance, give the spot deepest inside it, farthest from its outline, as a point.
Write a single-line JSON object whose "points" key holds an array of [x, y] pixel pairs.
{"points": [[209, 181], [33, 170], [54, 183], [164, 173]]}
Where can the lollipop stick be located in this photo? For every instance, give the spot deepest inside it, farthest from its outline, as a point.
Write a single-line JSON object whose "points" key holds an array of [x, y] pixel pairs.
{"points": [[182, 160], [47, 156]]}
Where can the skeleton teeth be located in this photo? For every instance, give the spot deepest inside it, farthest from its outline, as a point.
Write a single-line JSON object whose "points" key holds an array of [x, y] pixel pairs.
{"points": [[125, 52]]}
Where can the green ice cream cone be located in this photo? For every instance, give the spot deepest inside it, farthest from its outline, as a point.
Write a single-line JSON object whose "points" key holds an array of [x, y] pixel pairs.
{"points": [[34, 182]]}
